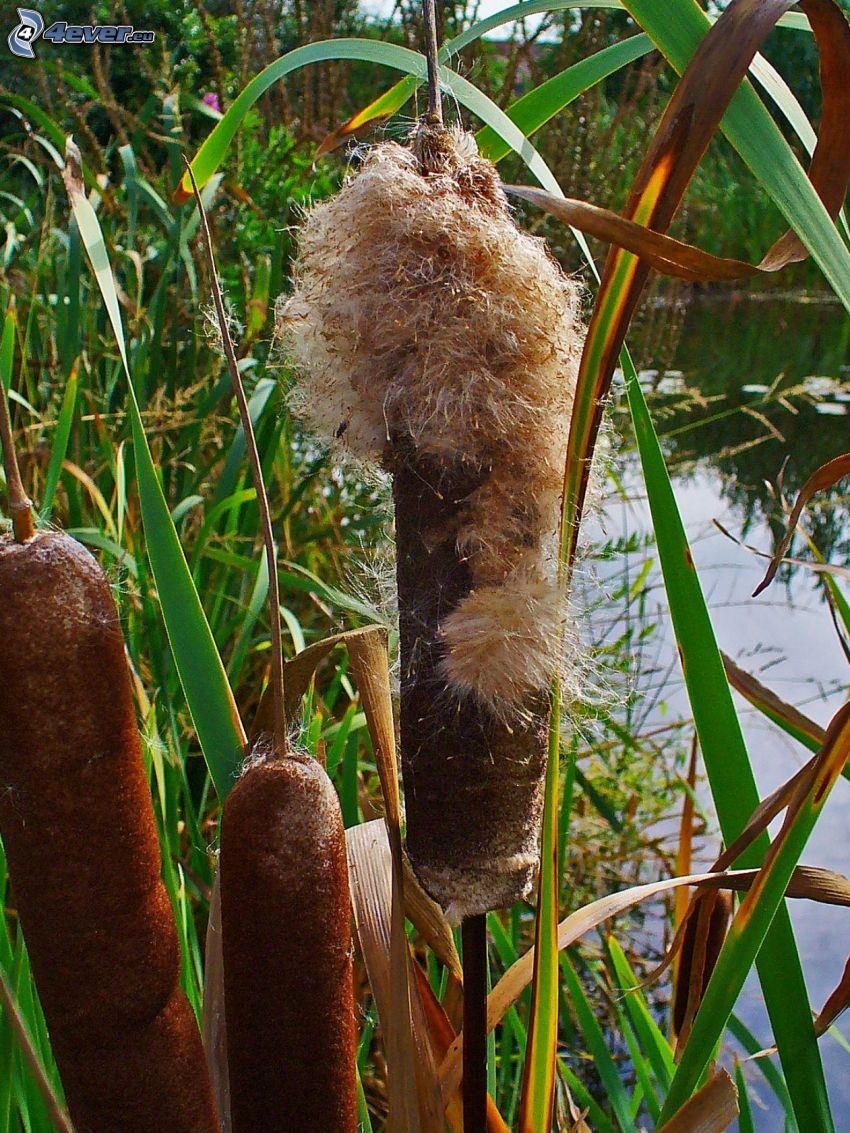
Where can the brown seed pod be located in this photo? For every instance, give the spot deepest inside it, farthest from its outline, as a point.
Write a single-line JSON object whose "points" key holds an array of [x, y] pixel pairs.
{"points": [[446, 341], [286, 944], [80, 838]]}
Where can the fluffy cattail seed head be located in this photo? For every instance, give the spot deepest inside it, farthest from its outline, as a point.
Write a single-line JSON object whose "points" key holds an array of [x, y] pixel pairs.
{"points": [[431, 335]]}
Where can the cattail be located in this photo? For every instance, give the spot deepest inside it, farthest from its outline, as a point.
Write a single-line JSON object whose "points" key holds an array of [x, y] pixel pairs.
{"points": [[286, 943], [80, 837], [433, 337]]}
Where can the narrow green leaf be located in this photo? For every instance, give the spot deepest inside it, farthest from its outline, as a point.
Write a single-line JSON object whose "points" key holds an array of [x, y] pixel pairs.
{"points": [[537, 107], [653, 1043], [598, 1049], [213, 150], [766, 1067], [60, 445], [745, 1113], [538, 1087], [7, 349], [208, 694]]}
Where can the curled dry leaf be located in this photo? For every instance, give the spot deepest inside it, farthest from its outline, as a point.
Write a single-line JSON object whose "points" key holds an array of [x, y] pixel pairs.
{"points": [[705, 932], [415, 1099], [663, 253], [298, 672], [711, 1109], [824, 477], [838, 1001], [789, 718]]}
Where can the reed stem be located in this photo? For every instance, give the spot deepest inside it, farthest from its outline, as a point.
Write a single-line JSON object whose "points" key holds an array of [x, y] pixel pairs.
{"points": [[435, 103], [59, 1118], [281, 740], [474, 937], [19, 503]]}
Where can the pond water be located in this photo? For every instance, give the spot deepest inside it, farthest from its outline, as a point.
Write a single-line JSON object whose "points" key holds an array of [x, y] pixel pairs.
{"points": [[737, 385]]}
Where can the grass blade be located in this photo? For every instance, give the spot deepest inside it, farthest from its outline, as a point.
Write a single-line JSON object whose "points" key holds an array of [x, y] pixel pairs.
{"points": [[653, 1042], [60, 445], [793, 722], [58, 1117], [598, 1049], [208, 694], [538, 1087], [7, 349], [214, 149]]}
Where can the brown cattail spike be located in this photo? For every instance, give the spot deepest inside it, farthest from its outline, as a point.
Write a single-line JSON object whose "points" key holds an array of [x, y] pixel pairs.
{"points": [[446, 342], [286, 941], [80, 838]]}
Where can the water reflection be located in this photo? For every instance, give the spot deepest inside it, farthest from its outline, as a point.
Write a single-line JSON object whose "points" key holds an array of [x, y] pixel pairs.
{"points": [[755, 382]]}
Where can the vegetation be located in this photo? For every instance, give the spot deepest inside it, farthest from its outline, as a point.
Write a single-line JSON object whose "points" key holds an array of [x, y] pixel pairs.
{"points": [[127, 436]]}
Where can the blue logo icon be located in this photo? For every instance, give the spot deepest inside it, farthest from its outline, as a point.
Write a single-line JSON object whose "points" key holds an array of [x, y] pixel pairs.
{"points": [[26, 33]]}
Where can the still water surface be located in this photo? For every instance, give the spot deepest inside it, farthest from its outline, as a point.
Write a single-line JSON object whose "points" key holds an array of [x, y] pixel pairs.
{"points": [[737, 386]]}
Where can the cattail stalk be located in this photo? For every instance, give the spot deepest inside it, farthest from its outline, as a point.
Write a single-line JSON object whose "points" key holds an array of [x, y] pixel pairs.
{"points": [[474, 932], [78, 827], [435, 103], [20, 506]]}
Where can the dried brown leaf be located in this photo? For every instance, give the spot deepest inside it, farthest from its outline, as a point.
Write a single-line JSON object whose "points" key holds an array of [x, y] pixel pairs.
{"points": [[705, 933], [663, 253], [822, 478], [767, 701], [711, 1109], [815, 884], [414, 1089], [838, 1001]]}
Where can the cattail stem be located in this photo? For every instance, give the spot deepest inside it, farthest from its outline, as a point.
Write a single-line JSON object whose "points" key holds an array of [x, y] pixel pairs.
{"points": [[474, 937], [58, 1116], [435, 104], [282, 743], [19, 503]]}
